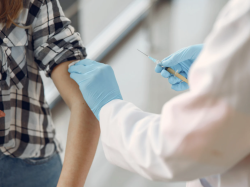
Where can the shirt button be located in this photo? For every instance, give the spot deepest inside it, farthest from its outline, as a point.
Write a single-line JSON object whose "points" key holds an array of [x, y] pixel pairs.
{"points": [[6, 40]]}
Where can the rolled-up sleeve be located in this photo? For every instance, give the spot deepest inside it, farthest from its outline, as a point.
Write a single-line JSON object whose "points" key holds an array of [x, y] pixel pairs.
{"points": [[54, 39]]}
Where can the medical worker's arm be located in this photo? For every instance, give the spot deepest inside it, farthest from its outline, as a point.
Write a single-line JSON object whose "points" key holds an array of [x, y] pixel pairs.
{"points": [[199, 133], [202, 132], [83, 132]]}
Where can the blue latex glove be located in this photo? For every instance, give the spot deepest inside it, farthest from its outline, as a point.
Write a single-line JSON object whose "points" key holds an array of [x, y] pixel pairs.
{"points": [[97, 83], [180, 61]]}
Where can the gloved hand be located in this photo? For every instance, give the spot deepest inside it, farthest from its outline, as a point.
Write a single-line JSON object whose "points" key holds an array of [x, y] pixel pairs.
{"points": [[180, 61], [97, 83]]}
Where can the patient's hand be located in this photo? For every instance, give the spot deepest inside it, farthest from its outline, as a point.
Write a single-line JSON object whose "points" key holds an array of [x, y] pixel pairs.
{"points": [[2, 114]]}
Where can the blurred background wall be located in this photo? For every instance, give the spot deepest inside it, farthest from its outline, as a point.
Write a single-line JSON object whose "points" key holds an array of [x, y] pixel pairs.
{"points": [[168, 26]]}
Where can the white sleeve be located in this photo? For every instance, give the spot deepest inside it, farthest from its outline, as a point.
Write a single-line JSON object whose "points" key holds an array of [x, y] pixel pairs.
{"points": [[199, 133]]}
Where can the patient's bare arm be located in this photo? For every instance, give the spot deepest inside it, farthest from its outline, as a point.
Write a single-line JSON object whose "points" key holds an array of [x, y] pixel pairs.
{"points": [[83, 133]]}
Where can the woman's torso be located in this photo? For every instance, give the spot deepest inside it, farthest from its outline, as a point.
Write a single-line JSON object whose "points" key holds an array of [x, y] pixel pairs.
{"points": [[27, 129]]}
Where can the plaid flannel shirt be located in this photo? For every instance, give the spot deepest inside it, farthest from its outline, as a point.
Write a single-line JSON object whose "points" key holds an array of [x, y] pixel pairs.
{"points": [[27, 129]]}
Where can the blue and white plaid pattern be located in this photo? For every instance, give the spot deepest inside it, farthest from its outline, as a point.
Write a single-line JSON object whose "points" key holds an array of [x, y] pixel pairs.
{"points": [[27, 129]]}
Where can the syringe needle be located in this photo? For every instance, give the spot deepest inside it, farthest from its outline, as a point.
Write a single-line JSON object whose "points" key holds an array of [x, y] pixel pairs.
{"points": [[166, 68], [151, 58], [142, 53]]}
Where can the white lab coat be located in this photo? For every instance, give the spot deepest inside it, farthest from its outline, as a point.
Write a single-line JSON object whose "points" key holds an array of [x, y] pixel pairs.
{"points": [[203, 132]]}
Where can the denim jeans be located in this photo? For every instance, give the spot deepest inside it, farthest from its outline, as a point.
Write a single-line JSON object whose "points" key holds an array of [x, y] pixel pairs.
{"points": [[43, 172]]}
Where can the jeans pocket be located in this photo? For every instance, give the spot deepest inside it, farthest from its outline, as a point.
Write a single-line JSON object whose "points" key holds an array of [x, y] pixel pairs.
{"points": [[39, 161]]}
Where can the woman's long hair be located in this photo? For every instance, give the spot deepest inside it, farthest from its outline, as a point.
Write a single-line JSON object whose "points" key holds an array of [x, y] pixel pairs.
{"points": [[10, 10]]}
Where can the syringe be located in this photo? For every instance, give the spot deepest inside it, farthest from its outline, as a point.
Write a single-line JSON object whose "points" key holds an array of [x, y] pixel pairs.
{"points": [[170, 70]]}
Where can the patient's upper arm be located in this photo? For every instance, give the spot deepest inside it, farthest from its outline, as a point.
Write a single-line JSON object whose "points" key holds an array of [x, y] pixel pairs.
{"points": [[67, 87]]}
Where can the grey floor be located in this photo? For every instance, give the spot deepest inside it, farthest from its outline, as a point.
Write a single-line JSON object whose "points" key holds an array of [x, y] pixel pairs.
{"points": [[170, 26]]}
